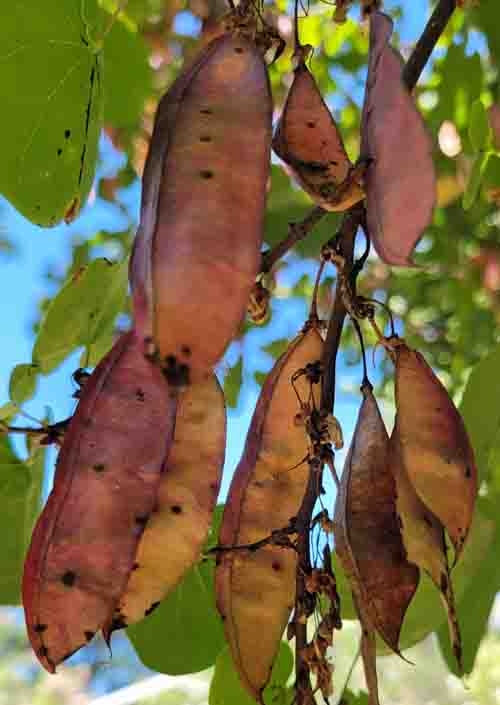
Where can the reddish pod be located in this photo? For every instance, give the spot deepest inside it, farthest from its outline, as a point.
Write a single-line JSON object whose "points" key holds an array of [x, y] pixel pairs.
{"points": [[400, 181], [175, 534], [199, 246], [256, 589], [309, 142], [367, 535], [105, 487]]}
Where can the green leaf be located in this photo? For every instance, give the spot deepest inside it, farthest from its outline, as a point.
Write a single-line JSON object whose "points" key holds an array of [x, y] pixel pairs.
{"points": [[232, 383], [475, 605], [348, 698], [20, 488], [127, 74], [185, 634], [277, 347], [82, 313], [260, 377], [481, 414], [8, 410], [479, 127], [22, 384], [475, 179], [226, 689], [51, 97]]}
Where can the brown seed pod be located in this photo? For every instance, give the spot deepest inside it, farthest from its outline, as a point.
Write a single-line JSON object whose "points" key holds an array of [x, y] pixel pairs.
{"points": [[400, 180], [256, 590], [423, 537], [368, 540], [309, 142], [200, 244], [107, 477], [434, 446], [178, 527]]}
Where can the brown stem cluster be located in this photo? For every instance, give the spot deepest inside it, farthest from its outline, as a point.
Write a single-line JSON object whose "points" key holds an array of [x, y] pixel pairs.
{"points": [[352, 220]]}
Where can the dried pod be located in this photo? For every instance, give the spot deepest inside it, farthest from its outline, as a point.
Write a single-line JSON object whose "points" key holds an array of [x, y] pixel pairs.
{"points": [[178, 527], [423, 537], [106, 481], [256, 589], [368, 540], [309, 142], [400, 181], [434, 445], [208, 189]]}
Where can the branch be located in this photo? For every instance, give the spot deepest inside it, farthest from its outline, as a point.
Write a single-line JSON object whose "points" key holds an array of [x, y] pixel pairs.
{"points": [[296, 233], [425, 45], [50, 434]]}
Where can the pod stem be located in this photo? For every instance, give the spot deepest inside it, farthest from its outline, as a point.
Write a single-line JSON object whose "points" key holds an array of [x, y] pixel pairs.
{"points": [[296, 233], [49, 434]]}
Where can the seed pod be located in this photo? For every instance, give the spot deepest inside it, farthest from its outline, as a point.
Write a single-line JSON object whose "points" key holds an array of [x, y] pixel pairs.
{"points": [[400, 181], [107, 477], [140, 260], [367, 535], [434, 445], [423, 537], [178, 527], [203, 248], [308, 140], [256, 589]]}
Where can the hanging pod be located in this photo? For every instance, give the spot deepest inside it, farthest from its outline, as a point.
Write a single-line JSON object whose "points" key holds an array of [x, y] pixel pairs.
{"points": [[368, 539], [309, 142], [177, 529], [434, 446], [256, 589], [106, 482], [198, 250], [435, 474], [400, 181]]}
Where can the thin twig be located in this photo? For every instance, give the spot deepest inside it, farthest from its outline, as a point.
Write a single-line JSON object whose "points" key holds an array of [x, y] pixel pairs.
{"points": [[425, 45], [52, 433], [296, 233]]}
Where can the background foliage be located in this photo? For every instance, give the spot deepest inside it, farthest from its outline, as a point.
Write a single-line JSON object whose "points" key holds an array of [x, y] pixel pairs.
{"points": [[73, 83]]}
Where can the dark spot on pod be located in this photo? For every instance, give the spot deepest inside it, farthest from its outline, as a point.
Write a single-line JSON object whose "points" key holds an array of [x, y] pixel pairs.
{"points": [[139, 395], [67, 134], [87, 422], [333, 162], [444, 583], [238, 50], [213, 486], [59, 152], [276, 565], [206, 174], [311, 123], [186, 350], [176, 509], [427, 520], [68, 578], [206, 111], [135, 566], [151, 609], [205, 138], [365, 632], [89, 635], [218, 560], [468, 472], [118, 622], [142, 520], [40, 628], [99, 467], [223, 617], [171, 361], [43, 652]]}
